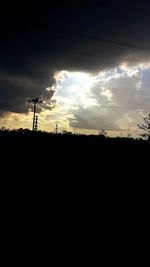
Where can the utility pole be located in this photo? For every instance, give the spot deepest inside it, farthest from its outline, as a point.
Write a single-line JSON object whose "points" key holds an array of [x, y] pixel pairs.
{"points": [[34, 111], [128, 134], [36, 123], [35, 101], [56, 129]]}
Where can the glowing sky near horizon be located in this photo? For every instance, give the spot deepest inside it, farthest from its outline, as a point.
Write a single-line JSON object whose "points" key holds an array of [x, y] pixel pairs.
{"points": [[87, 102]]}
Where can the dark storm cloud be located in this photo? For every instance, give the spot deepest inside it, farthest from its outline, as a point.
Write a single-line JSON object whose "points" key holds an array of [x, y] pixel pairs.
{"points": [[38, 39], [15, 91]]}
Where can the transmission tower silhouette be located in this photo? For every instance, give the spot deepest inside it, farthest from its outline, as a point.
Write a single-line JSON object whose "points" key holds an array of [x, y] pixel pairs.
{"points": [[35, 101], [56, 128]]}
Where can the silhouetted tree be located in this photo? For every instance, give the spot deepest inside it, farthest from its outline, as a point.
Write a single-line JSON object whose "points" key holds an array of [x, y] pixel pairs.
{"points": [[103, 132], [66, 132], [145, 126]]}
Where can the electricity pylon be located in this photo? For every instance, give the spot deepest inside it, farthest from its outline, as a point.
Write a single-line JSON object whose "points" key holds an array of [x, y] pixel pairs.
{"points": [[36, 101]]}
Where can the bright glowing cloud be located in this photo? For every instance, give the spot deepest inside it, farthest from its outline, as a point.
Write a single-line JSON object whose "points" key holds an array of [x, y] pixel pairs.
{"points": [[115, 99], [90, 100]]}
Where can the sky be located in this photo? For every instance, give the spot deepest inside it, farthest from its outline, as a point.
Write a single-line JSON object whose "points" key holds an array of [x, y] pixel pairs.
{"points": [[88, 61]]}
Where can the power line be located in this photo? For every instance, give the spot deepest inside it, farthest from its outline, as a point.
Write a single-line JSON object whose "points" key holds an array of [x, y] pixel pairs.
{"points": [[103, 59], [105, 40], [125, 107], [114, 107]]}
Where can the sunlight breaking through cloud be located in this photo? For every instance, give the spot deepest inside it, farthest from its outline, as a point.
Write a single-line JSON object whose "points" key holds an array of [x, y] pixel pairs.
{"points": [[115, 99], [90, 99]]}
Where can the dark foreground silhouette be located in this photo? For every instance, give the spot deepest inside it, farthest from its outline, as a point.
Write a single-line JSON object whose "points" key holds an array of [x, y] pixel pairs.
{"points": [[27, 137], [26, 140], [58, 168], [73, 155]]}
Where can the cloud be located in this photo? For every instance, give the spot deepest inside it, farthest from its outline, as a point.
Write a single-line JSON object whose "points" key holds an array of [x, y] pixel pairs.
{"points": [[94, 120], [114, 99], [110, 99], [15, 91], [39, 40]]}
